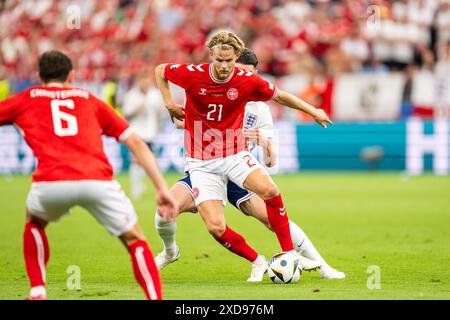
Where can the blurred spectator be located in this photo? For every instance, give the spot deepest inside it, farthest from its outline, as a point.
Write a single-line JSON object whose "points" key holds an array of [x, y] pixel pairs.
{"points": [[115, 39], [356, 48], [143, 107], [442, 72], [407, 105]]}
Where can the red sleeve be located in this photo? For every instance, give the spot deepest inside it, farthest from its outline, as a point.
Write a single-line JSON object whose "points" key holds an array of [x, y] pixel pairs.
{"points": [[112, 123], [261, 90], [9, 109], [178, 74]]}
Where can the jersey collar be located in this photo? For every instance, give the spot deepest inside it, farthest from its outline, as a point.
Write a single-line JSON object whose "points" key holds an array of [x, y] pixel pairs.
{"points": [[213, 78]]}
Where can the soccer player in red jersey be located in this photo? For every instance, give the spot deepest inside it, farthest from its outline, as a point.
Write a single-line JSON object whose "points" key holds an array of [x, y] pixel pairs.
{"points": [[64, 127], [258, 124], [216, 95]]}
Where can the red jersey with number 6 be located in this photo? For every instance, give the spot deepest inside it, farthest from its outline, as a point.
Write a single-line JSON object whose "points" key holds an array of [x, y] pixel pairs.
{"points": [[64, 127], [214, 109]]}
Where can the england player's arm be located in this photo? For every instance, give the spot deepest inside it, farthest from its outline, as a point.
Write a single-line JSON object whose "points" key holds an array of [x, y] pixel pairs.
{"points": [[262, 135], [265, 129], [162, 82], [264, 140], [270, 156], [179, 124]]}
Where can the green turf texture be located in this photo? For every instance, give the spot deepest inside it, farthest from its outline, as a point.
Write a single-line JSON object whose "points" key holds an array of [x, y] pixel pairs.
{"points": [[356, 220]]}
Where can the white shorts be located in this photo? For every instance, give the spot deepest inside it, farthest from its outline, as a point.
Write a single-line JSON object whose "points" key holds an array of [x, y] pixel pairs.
{"points": [[105, 200], [209, 177]]}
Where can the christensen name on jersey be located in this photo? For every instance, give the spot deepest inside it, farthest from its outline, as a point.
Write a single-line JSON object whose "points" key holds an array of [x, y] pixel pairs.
{"points": [[64, 129]]}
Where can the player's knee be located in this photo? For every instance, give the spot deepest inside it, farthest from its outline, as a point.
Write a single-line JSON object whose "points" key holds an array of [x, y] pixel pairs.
{"points": [[216, 229], [37, 221], [269, 192], [131, 236]]}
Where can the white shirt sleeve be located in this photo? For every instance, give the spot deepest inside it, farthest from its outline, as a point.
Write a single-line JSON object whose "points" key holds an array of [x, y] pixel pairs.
{"points": [[265, 121]]}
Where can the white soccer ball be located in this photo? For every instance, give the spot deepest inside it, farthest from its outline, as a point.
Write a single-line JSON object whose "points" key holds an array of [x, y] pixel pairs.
{"points": [[284, 268]]}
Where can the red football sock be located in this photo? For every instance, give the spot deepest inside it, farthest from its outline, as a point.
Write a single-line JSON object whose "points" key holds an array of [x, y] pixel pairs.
{"points": [[236, 244], [145, 270], [279, 221], [36, 252]]}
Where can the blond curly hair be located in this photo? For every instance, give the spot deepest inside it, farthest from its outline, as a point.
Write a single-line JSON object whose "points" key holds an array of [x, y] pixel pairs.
{"points": [[225, 40]]}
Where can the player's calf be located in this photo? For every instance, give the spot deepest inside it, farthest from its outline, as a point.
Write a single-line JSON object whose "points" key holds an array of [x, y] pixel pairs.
{"points": [[36, 253], [256, 207], [236, 243], [144, 267], [278, 219], [145, 270]]}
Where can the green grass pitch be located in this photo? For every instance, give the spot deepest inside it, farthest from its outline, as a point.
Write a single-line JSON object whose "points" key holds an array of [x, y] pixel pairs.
{"points": [[356, 220]]}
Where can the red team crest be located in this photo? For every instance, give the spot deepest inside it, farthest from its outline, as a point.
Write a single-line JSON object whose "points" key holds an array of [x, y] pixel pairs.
{"points": [[232, 94]]}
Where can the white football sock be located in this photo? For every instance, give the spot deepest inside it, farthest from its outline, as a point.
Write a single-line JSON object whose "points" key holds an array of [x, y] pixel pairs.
{"points": [[166, 231], [302, 244]]}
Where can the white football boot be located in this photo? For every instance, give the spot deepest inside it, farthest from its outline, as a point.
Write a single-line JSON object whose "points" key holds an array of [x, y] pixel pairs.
{"points": [[328, 272], [259, 268], [308, 264], [37, 293], [163, 259]]}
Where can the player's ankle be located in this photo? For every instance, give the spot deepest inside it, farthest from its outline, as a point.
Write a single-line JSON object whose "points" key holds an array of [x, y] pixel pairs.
{"points": [[170, 251], [259, 259]]}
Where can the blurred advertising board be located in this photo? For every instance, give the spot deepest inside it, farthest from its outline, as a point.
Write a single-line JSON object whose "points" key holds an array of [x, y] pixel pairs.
{"points": [[414, 146]]}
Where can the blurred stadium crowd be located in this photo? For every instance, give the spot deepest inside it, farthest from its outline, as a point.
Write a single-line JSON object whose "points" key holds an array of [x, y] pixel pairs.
{"points": [[114, 39]]}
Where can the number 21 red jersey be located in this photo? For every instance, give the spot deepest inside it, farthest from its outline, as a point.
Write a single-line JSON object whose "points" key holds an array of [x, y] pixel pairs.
{"points": [[214, 109], [64, 127]]}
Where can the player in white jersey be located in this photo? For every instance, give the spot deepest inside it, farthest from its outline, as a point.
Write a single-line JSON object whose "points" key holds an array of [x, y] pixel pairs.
{"points": [[258, 129], [143, 107]]}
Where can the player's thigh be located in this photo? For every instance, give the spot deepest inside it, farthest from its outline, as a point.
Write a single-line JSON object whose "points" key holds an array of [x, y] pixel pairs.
{"points": [[240, 166], [261, 183], [237, 195], [207, 186], [211, 212], [182, 192], [49, 201], [110, 206]]}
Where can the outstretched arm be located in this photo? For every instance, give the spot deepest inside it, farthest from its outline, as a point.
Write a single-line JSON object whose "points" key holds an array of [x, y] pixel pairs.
{"points": [[294, 102], [175, 110]]}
